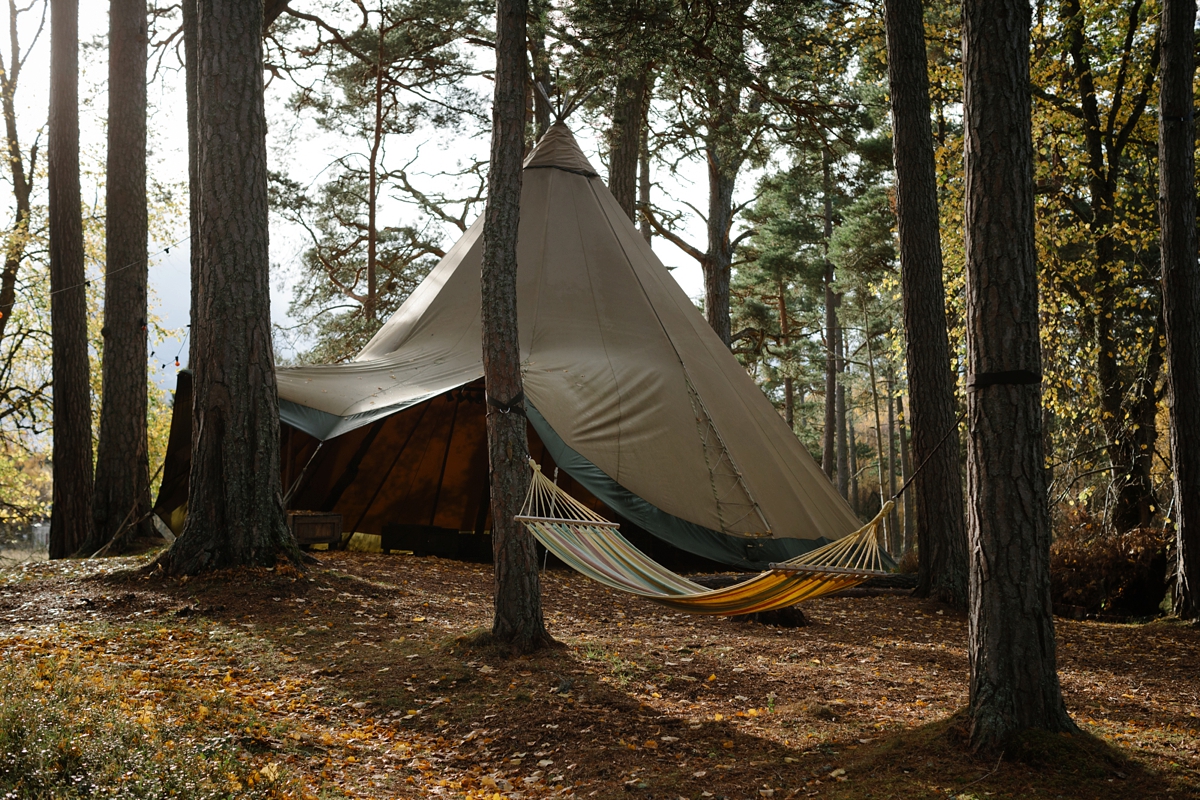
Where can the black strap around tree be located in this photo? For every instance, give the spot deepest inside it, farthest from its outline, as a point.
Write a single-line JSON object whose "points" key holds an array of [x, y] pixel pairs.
{"points": [[1016, 377], [514, 406]]}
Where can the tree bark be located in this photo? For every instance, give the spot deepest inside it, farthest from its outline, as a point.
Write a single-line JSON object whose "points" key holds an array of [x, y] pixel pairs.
{"points": [[887, 522], [373, 180], [235, 507], [843, 446], [625, 139], [541, 68], [941, 535], [1181, 287], [1011, 647], [20, 175], [906, 467], [190, 78], [829, 435], [518, 615], [855, 501], [71, 519], [894, 518], [718, 258], [122, 495], [785, 341], [644, 172]]}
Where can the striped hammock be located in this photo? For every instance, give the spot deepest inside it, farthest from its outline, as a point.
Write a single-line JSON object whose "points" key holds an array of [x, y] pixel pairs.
{"points": [[592, 545]]}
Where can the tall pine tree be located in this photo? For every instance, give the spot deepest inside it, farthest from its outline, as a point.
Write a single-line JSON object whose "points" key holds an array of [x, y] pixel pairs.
{"points": [[122, 499], [518, 612], [71, 519], [235, 507], [1011, 647]]}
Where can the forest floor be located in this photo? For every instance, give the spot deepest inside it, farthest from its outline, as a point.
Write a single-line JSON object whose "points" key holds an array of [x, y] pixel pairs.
{"points": [[359, 678]]}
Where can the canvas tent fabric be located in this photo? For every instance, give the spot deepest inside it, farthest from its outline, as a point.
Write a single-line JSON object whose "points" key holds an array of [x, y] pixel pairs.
{"points": [[630, 393]]}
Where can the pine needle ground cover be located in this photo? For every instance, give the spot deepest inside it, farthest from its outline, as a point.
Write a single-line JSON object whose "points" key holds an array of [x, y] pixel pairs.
{"points": [[360, 679]]}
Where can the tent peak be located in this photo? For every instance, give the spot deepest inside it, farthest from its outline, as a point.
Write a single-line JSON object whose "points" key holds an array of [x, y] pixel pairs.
{"points": [[557, 149]]}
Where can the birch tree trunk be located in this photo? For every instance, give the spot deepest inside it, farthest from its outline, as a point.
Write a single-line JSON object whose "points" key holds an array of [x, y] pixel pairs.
{"points": [[122, 467], [71, 519], [1181, 287], [941, 535], [1011, 646], [518, 614]]}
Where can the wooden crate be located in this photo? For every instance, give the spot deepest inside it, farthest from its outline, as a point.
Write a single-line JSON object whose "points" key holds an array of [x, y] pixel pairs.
{"points": [[315, 527]]}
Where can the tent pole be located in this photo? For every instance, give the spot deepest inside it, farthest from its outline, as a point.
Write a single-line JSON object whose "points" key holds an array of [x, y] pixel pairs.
{"points": [[437, 494], [287, 498], [388, 473]]}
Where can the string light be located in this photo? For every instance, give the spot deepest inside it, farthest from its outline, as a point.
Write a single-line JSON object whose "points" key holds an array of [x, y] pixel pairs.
{"points": [[164, 251], [182, 344]]}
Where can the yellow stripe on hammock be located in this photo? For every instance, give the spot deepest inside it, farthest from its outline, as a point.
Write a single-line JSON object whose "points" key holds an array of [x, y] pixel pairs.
{"points": [[594, 546]]}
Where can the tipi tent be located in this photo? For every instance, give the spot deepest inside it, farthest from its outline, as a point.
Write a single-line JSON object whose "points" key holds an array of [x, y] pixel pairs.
{"points": [[628, 390]]}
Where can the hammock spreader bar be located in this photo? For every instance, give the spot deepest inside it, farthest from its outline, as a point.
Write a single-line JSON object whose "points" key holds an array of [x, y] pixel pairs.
{"points": [[594, 546]]}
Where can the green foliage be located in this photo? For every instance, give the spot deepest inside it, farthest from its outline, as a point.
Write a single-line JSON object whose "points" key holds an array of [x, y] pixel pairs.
{"points": [[329, 296], [1095, 156], [405, 56], [398, 69]]}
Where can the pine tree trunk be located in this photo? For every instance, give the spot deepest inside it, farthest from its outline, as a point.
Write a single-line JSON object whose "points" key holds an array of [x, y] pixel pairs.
{"points": [[235, 508], [122, 495], [518, 618], [644, 172], [785, 342], [855, 501], [625, 140], [1011, 647], [894, 519], [1181, 288], [373, 182], [906, 467], [887, 523], [541, 67], [843, 446], [71, 519], [941, 535], [718, 261], [829, 434], [190, 77]]}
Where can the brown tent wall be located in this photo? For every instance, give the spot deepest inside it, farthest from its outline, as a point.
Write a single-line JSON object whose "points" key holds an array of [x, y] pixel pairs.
{"points": [[418, 478]]}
